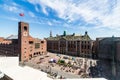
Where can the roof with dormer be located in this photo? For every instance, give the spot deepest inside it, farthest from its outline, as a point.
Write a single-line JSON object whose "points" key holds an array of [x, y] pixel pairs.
{"points": [[70, 37]]}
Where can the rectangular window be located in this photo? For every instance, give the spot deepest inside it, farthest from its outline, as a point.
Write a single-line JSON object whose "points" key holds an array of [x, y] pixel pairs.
{"points": [[82, 42], [82, 46], [37, 45], [85, 47], [88, 46], [30, 42], [74, 42], [42, 41], [88, 42]]}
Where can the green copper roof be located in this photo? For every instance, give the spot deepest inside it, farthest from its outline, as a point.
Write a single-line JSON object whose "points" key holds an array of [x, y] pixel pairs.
{"points": [[64, 33], [70, 37]]}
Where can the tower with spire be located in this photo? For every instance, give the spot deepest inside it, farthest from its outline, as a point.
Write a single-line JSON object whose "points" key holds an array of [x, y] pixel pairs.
{"points": [[64, 33], [50, 33]]}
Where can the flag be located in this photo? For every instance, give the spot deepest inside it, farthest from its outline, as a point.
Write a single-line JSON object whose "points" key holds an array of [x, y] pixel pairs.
{"points": [[21, 14]]}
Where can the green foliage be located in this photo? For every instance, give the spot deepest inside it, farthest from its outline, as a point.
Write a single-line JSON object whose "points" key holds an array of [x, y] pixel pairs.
{"points": [[61, 62]]}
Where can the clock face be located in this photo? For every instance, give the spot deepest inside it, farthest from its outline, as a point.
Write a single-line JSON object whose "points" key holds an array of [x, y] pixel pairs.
{"points": [[25, 34]]}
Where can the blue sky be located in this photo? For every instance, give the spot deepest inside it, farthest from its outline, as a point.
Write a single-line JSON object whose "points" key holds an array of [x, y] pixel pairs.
{"points": [[101, 18]]}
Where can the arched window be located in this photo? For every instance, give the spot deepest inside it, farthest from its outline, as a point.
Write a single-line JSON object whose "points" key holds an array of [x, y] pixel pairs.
{"points": [[25, 28]]}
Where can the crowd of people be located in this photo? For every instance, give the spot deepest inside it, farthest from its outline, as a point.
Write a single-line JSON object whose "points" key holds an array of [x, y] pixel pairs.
{"points": [[73, 65]]}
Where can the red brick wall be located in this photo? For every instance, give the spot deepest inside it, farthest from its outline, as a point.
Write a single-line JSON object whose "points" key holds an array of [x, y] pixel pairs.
{"points": [[27, 49]]}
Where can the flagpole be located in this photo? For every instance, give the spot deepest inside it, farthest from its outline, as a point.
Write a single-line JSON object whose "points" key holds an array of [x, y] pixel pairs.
{"points": [[21, 15]]}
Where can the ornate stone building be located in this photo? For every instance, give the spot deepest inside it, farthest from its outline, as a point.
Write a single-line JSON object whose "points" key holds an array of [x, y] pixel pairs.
{"points": [[76, 45]]}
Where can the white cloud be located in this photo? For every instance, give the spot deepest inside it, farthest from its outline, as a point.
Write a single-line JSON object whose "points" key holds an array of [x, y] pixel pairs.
{"points": [[13, 7], [14, 19], [104, 13], [31, 14], [44, 10], [49, 23], [10, 18], [36, 8], [9, 8]]}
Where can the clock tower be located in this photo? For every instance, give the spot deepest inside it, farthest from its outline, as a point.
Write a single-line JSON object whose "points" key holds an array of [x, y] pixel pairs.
{"points": [[23, 35]]}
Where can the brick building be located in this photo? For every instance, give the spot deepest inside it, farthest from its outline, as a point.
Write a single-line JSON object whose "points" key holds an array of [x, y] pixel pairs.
{"points": [[28, 46], [108, 51], [9, 46], [106, 46], [76, 45], [23, 45]]}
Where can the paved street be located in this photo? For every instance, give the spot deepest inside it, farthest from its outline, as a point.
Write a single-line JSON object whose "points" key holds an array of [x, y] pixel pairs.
{"points": [[42, 63]]}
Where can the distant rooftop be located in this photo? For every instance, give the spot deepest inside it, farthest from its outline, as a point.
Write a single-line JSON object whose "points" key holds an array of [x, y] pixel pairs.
{"points": [[70, 37], [109, 38], [12, 37]]}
